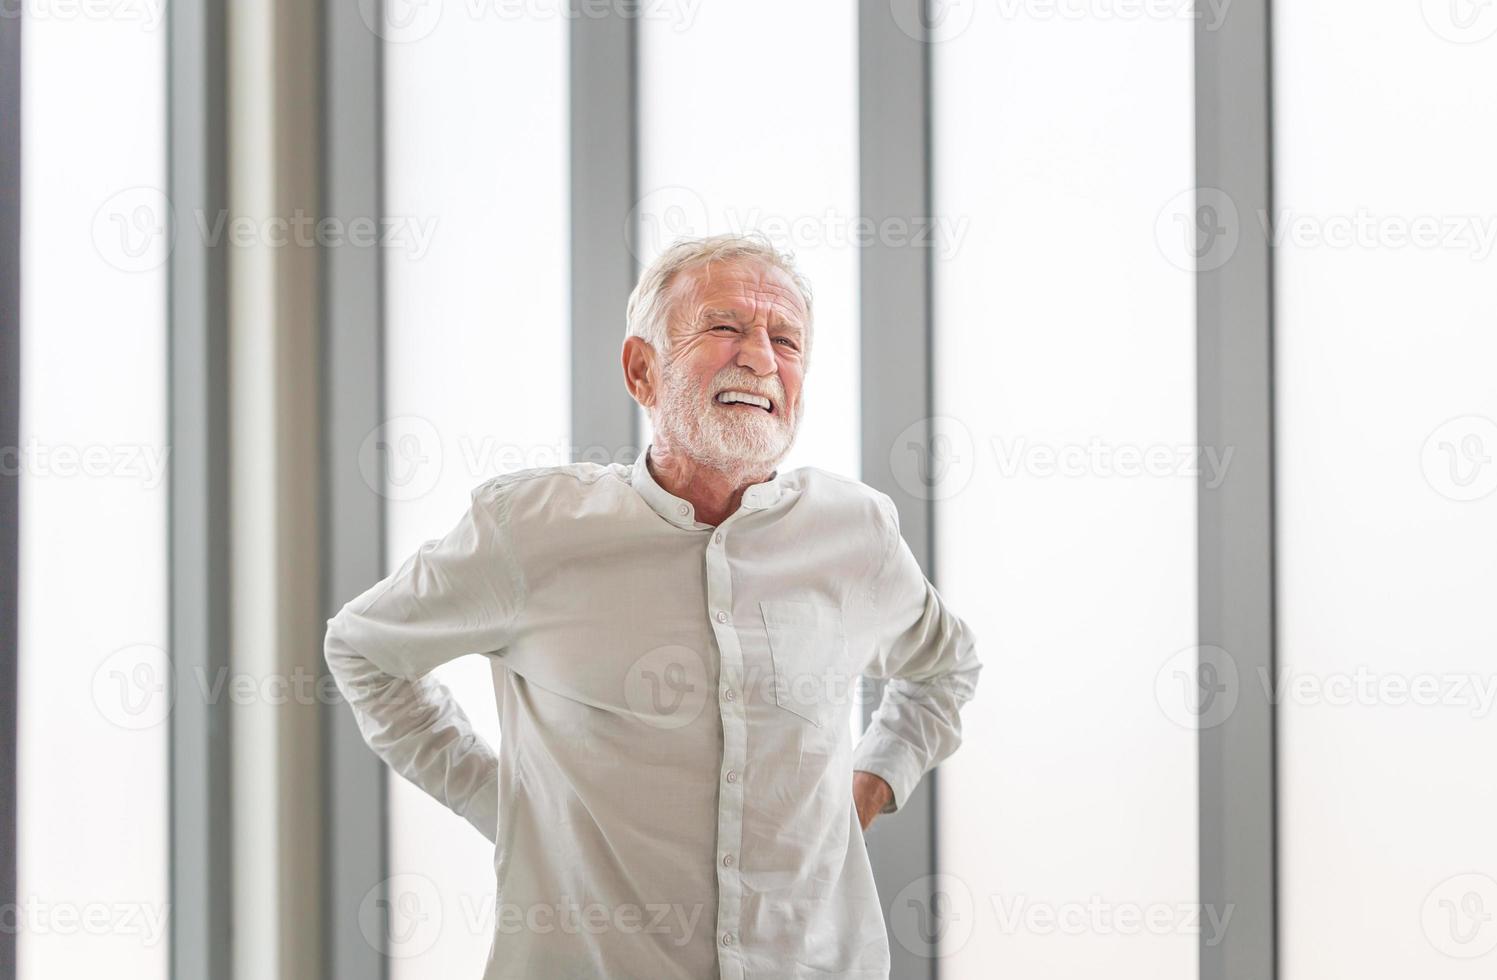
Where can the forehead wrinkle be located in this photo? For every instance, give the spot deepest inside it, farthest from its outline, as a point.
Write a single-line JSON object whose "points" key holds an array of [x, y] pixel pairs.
{"points": [[750, 276], [767, 302], [773, 312], [710, 287]]}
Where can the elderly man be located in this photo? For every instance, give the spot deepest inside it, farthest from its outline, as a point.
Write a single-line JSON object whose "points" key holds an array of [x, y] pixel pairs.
{"points": [[675, 646]]}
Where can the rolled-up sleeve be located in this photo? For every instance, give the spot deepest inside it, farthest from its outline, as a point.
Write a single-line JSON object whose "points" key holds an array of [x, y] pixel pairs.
{"points": [[457, 595], [927, 654]]}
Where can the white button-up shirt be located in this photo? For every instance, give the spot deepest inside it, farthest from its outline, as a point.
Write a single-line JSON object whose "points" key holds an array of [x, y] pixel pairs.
{"points": [[672, 795]]}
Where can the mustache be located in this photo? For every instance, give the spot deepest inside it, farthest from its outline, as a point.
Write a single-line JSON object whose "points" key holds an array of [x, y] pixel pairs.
{"points": [[751, 385]]}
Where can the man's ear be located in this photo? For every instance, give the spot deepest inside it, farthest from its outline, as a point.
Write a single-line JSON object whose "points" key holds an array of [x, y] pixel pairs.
{"points": [[641, 376]]}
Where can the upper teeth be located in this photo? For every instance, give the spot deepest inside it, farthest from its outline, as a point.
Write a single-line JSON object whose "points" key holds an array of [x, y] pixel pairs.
{"points": [[728, 397]]}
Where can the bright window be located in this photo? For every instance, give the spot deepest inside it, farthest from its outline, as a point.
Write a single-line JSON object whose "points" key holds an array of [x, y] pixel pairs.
{"points": [[477, 362], [1386, 134], [1065, 386], [94, 698]]}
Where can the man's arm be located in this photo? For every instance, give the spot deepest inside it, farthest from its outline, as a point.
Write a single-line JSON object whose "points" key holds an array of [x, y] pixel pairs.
{"points": [[927, 654], [457, 595]]}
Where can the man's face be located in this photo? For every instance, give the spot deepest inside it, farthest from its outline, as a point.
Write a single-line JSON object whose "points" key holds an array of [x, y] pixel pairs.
{"points": [[734, 327]]}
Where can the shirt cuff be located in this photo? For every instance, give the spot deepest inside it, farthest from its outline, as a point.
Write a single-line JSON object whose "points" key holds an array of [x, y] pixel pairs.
{"points": [[892, 760], [483, 809]]}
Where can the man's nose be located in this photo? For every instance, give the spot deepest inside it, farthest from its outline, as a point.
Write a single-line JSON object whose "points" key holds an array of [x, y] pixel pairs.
{"points": [[756, 353]]}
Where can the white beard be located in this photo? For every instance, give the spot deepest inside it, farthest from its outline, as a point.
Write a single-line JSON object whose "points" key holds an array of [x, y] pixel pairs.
{"points": [[738, 443]]}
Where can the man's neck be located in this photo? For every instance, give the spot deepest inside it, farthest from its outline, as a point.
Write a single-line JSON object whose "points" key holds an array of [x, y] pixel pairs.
{"points": [[713, 494]]}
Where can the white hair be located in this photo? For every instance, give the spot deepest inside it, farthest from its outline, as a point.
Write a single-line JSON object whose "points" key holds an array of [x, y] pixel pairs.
{"points": [[649, 304]]}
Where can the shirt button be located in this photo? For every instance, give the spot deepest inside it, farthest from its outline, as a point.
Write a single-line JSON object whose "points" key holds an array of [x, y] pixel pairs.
{"points": [[718, 537], [732, 776], [722, 617], [682, 509], [730, 695], [727, 939], [727, 860]]}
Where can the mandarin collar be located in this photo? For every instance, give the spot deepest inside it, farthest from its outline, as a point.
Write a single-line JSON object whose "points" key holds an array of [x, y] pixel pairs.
{"points": [[679, 511]]}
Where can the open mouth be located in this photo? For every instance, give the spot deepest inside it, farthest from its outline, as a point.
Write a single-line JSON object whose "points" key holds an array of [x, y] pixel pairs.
{"points": [[745, 400]]}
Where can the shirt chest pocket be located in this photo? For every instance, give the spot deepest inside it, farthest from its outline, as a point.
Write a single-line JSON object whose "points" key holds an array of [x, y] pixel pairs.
{"points": [[808, 650]]}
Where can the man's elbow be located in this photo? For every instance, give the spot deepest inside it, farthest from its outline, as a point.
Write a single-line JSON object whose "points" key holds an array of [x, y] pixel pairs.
{"points": [[339, 656]]}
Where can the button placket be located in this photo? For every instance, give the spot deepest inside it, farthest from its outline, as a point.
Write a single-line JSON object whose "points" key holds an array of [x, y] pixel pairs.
{"points": [[734, 753]]}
